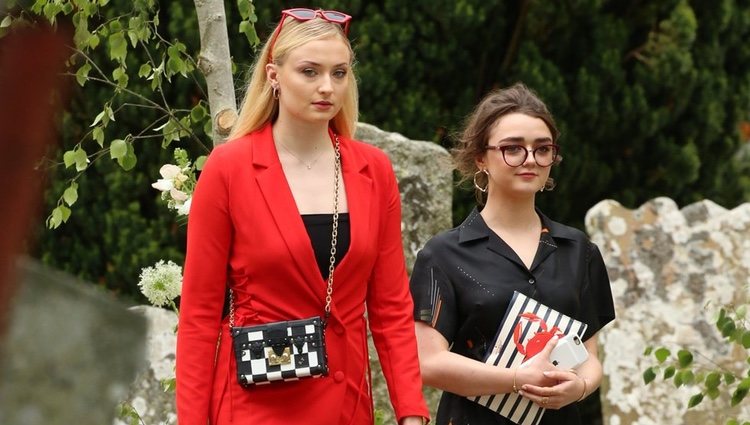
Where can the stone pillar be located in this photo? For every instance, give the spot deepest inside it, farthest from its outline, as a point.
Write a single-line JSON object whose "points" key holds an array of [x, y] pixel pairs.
{"points": [[71, 352], [671, 269]]}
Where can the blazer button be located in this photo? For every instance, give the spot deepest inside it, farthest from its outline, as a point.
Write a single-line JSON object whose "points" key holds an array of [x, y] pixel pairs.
{"points": [[338, 329], [532, 281], [338, 376]]}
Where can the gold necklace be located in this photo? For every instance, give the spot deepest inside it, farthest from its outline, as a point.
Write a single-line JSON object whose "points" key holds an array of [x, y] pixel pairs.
{"points": [[307, 165]]}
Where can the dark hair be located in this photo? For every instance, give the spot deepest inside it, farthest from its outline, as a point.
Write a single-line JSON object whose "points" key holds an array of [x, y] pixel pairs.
{"points": [[473, 139]]}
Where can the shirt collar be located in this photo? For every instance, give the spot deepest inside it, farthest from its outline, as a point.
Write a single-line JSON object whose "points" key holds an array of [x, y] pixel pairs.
{"points": [[474, 228]]}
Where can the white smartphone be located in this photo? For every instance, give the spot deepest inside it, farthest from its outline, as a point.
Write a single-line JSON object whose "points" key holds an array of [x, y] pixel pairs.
{"points": [[569, 353]]}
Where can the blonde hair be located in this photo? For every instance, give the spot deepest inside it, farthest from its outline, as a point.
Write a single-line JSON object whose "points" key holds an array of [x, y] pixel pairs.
{"points": [[259, 107]]}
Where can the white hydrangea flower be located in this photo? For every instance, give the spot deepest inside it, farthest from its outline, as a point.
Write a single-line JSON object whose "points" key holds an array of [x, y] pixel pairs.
{"points": [[163, 185], [161, 283], [169, 171], [178, 195], [184, 209]]}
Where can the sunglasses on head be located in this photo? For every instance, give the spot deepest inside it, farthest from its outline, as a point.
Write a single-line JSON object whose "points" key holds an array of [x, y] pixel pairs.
{"points": [[303, 14]]}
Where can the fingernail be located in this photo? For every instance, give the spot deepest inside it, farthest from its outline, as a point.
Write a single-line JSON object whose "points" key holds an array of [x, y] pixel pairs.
{"points": [[521, 393], [545, 373]]}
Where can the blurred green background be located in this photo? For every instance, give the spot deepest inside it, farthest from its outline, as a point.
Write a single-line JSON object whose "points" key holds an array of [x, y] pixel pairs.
{"points": [[652, 98]]}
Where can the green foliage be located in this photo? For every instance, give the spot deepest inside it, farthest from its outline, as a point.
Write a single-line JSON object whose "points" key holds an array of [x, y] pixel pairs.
{"points": [[650, 97], [712, 380]]}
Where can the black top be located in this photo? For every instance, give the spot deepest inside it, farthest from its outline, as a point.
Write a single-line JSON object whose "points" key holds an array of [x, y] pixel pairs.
{"points": [[319, 228], [463, 281]]}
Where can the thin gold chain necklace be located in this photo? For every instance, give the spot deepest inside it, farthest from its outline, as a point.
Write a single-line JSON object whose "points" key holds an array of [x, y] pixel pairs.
{"points": [[307, 165]]}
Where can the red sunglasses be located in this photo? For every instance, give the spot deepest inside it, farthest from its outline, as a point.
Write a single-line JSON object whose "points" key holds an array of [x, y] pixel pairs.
{"points": [[303, 14]]}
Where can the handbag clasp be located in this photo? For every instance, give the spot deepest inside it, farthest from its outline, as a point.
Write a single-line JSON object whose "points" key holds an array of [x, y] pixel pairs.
{"points": [[278, 356]]}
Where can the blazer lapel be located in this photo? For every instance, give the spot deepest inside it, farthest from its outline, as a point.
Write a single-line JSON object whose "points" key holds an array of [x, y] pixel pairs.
{"points": [[359, 196], [280, 202]]}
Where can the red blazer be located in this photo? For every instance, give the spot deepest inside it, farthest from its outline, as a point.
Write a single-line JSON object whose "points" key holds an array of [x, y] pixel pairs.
{"points": [[244, 230]]}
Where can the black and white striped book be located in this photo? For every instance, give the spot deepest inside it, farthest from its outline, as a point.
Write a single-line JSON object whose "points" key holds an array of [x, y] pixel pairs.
{"points": [[526, 325]]}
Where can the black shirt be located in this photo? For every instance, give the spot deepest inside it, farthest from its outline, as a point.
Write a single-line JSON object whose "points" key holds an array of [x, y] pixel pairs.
{"points": [[464, 278], [319, 228]]}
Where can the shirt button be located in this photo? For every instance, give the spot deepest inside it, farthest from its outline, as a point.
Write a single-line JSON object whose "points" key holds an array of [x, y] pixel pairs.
{"points": [[532, 281], [338, 376]]}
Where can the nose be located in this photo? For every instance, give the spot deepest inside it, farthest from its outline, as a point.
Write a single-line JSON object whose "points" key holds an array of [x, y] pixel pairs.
{"points": [[326, 84], [529, 156]]}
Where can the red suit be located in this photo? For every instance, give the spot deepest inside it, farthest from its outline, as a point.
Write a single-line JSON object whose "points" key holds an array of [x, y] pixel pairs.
{"points": [[245, 231]]}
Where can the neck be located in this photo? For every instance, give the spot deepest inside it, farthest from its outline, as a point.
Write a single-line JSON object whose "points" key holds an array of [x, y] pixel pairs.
{"points": [[516, 213], [302, 138]]}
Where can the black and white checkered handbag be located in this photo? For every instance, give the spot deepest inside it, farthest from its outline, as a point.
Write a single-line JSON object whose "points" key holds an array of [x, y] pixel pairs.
{"points": [[280, 351], [287, 351]]}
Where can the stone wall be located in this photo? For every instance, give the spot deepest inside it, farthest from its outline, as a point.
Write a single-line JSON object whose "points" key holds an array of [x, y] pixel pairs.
{"points": [[670, 270]]}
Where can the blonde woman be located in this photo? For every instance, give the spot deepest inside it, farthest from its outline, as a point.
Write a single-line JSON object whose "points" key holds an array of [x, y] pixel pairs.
{"points": [[291, 202]]}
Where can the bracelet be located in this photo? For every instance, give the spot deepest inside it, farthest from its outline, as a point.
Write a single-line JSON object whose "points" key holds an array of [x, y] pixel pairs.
{"points": [[515, 388], [583, 394]]}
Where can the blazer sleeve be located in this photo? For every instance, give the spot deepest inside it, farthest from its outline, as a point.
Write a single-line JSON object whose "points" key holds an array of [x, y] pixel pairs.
{"points": [[389, 307], [209, 236]]}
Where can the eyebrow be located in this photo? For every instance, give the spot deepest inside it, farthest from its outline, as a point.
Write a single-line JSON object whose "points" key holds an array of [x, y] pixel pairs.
{"points": [[313, 63], [516, 139]]}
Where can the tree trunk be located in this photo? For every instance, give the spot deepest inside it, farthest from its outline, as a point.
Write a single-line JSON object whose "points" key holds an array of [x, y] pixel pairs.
{"points": [[215, 64]]}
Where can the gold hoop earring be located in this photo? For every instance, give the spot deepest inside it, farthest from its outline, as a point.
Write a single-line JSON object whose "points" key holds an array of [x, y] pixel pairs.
{"points": [[476, 185], [275, 92], [549, 185]]}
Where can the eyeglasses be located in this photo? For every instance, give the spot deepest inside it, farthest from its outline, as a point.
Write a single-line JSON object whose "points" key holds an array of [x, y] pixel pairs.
{"points": [[515, 155], [303, 14]]}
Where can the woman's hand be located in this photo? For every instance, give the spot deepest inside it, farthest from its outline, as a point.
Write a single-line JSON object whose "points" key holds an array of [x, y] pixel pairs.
{"points": [[413, 420], [569, 388]]}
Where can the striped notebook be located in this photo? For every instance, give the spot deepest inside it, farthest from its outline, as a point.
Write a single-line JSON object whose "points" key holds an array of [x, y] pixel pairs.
{"points": [[517, 328]]}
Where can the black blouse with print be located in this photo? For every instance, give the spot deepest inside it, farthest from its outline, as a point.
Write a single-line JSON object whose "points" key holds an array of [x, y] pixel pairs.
{"points": [[464, 279]]}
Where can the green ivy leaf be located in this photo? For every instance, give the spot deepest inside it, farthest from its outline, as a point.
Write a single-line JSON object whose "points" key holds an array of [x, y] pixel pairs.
{"points": [[713, 393], [713, 380], [118, 47], [746, 339], [198, 113], [7, 20], [738, 396], [55, 219], [128, 161], [649, 375], [120, 76], [648, 350], [94, 41], [144, 70], [732, 422], [669, 372], [695, 400], [118, 149], [69, 158], [65, 213], [169, 384], [200, 161], [244, 8], [684, 358], [81, 159], [728, 328], [82, 75], [688, 377], [98, 135], [729, 378], [678, 380], [661, 354], [98, 118], [70, 196]]}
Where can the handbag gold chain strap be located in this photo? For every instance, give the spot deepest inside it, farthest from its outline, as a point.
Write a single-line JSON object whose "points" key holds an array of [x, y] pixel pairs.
{"points": [[334, 238]]}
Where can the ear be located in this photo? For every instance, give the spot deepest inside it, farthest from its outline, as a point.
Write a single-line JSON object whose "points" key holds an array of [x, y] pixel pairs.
{"points": [[481, 163], [272, 74]]}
